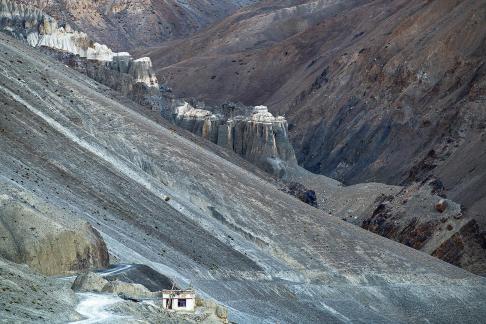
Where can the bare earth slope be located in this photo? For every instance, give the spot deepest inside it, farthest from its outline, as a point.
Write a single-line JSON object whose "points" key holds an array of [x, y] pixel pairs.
{"points": [[382, 91], [127, 24], [28, 297], [159, 199]]}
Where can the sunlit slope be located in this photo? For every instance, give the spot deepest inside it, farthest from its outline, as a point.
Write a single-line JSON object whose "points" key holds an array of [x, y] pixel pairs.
{"points": [[160, 199]]}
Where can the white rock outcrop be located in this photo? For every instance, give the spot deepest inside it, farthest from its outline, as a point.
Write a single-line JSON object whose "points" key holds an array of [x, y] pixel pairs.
{"points": [[40, 30], [256, 135]]}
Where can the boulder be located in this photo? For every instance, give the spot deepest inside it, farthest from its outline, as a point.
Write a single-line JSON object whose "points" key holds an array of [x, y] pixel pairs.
{"points": [[441, 205], [128, 290], [300, 191], [93, 282], [89, 282], [222, 312]]}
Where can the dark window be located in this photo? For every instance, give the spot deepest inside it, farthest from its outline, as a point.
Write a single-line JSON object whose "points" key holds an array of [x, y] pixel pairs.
{"points": [[181, 303]]}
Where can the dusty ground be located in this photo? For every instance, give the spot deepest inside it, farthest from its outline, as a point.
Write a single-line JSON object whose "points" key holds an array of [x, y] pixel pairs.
{"points": [[27, 297]]}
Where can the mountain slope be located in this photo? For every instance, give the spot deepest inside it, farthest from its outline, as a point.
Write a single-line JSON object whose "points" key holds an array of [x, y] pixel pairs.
{"points": [[404, 64], [127, 24], [385, 91], [160, 199]]}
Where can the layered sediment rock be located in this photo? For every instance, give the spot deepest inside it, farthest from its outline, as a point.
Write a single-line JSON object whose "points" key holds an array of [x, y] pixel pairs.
{"points": [[132, 78], [253, 133], [46, 239], [260, 138], [119, 71]]}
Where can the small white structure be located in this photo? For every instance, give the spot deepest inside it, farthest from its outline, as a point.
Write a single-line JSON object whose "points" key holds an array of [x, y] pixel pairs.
{"points": [[179, 300]]}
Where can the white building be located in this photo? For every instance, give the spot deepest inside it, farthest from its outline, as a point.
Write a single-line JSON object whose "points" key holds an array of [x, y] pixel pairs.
{"points": [[180, 300]]}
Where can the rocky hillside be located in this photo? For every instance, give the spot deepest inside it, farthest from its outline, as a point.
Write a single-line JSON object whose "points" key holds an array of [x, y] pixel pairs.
{"points": [[343, 70], [160, 199], [127, 24], [28, 297], [254, 133], [117, 70], [384, 91], [263, 139]]}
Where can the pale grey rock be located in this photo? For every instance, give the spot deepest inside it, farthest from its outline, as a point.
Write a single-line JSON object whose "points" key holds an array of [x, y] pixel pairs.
{"points": [[141, 70], [263, 139], [131, 290], [222, 312], [89, 282], [40, 30], [257, 135], [45, 238]]}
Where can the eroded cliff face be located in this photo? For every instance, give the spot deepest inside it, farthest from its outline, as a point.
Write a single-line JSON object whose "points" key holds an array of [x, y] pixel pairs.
{"points": [[260, 138], [252, 132], [120, 71], [126, 24], [47, 239], [131, 77]]}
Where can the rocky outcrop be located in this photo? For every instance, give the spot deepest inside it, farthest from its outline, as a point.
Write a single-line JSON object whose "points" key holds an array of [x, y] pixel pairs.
{"points": [[252, 132], [423, 220], [132, 78], [260, 138], [130, 290], [89, 282], [119, 71], [38, 29], [93, 282], [47, 239], [300, 191], [134, 23], [466, 248]]}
